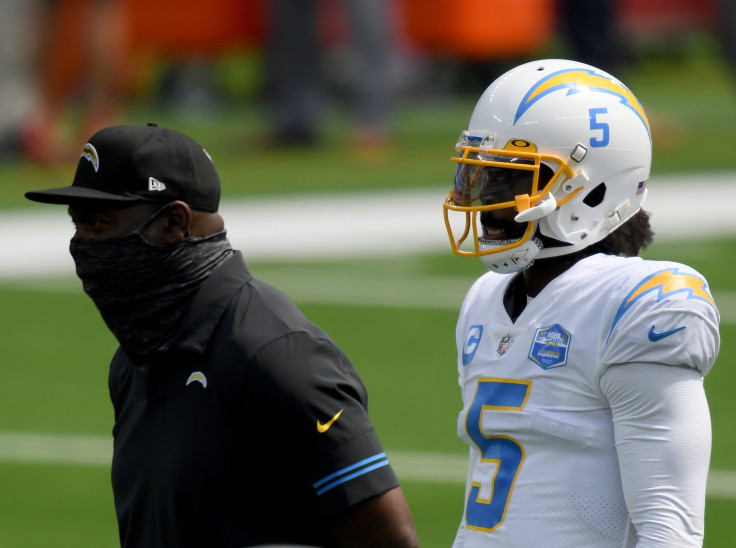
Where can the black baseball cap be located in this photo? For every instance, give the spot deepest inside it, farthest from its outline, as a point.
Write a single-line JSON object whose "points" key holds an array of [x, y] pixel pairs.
{"points": [[140, 163]]}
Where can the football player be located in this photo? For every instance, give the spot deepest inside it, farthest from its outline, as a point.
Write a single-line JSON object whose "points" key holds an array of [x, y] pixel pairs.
{"points": [[581, 365]]}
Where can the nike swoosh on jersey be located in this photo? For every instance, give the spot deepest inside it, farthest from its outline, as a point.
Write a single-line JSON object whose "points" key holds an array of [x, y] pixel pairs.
{"points": [[322, 428], [654, 336]]}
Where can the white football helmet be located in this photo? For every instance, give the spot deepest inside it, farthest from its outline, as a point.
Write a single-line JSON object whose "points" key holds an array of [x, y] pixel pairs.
{"points": [[554, 148]]}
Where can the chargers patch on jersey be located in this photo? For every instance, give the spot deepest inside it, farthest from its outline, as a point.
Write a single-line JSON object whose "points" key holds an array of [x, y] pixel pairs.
{"points": [[665, 284], [471, 343], [550, 346]]}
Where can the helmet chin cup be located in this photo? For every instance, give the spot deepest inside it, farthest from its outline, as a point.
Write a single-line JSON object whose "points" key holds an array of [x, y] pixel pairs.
{"points": [[511, 260]]}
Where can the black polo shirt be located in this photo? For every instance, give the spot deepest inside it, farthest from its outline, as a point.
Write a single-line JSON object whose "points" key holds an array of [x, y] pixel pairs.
{"points": [[250, 428]]}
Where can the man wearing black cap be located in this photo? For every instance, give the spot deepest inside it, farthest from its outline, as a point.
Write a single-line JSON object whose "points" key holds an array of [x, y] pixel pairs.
{"points": [[237, 421]]}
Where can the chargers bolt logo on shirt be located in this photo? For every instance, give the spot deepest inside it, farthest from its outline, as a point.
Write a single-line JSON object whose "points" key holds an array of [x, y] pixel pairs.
{"points": [[90, 153], [550, 346], [665, 284], [471, 343], [199, 377]]}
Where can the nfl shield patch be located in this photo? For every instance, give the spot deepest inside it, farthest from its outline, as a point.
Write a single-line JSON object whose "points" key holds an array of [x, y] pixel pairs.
{"points": [[549, 349], [503, 346]]}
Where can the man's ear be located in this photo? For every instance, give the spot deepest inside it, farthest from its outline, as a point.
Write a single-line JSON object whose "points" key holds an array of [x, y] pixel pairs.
{"points": [[178, 219]]}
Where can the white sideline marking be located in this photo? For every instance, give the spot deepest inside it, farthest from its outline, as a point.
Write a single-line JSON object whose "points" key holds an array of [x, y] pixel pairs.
{"points": [[420, 466], [419, 292], [360, 224], [451, 468], [45, 448], [307, 286]]}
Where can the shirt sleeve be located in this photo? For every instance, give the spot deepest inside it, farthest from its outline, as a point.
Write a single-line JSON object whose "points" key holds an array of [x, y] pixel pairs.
{"points": [[668, 317], [663, 439], [316, 405], [672, 336]]}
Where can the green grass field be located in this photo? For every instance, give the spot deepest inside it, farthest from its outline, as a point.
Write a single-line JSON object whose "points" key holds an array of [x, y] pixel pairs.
{"points": [[56, 349]]}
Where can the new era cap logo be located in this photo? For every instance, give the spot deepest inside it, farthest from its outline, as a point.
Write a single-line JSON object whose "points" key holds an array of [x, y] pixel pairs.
{"points": [[155, 184]]}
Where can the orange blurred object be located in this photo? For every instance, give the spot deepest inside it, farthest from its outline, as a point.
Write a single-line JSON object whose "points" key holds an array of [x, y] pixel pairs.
{"points": [[479, 29], [182, 27]]}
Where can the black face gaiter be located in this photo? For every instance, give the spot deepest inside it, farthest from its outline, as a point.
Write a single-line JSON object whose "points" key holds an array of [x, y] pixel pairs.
{"points": [[143, 290]]}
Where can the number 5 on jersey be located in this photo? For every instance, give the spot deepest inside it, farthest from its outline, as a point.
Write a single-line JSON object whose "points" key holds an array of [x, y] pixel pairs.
{"points": [[507, 454]]}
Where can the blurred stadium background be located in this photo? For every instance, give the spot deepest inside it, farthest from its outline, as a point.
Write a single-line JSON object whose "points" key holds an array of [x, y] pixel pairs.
{"points": [[388, 298]]}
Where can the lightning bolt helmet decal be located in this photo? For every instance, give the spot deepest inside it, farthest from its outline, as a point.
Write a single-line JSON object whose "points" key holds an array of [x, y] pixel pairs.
{"points": [[578, 80]]}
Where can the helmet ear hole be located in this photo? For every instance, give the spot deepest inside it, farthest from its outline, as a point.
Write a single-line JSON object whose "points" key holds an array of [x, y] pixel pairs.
{"points": [[595, 196]]}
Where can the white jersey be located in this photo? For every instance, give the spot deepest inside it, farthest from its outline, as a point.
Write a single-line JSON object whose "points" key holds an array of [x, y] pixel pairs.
{"points": [[543, 467]]}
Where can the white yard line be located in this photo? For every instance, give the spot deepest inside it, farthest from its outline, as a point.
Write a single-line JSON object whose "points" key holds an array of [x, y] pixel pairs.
{"points": [[34, 241], [420, 292], [47, 448], [419, 466], [307, 286]]}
